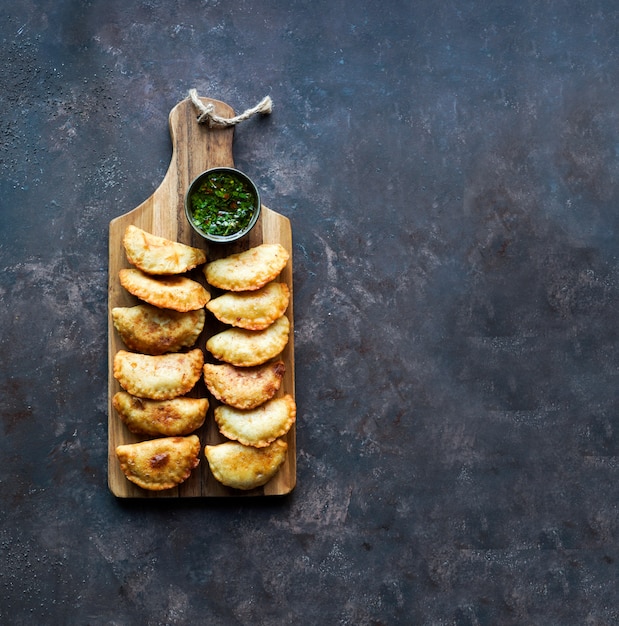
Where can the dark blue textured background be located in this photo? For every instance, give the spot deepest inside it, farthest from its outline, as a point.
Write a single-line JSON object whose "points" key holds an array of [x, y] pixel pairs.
{"points": [[451, 171]]}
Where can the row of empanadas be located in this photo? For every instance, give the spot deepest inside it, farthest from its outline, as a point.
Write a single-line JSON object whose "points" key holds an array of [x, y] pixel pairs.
{"points": [[248, 380], [155, 376]]}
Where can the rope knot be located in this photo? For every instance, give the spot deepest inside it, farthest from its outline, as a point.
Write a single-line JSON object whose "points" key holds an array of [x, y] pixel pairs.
{"points": [[207, 114]]}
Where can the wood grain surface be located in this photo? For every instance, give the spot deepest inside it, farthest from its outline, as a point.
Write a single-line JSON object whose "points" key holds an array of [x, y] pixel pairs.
{"points": [[196, 148]]}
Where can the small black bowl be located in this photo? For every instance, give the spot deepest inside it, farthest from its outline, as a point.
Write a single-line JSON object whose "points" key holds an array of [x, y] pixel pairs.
{"points": [[229, 198]]}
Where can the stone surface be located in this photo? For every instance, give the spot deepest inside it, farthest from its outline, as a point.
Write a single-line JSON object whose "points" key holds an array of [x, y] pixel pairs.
{"points": [[451, 172]]}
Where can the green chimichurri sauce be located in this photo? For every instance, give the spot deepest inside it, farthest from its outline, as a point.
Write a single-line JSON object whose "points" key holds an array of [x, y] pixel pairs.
{"points": [[222, 205]]}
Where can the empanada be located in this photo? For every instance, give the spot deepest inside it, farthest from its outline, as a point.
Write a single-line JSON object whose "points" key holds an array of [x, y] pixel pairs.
{"points": [[161, 377], [245, 348], [151, 330], [244, 467], [159, 464], [167, 292], [248, 270], [254, 310], [244, 387], [156, 255], [257, 427], [176, 417]]}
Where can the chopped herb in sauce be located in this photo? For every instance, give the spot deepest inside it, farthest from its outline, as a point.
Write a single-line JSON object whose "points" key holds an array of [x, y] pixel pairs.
{"points": [[222, 205]]}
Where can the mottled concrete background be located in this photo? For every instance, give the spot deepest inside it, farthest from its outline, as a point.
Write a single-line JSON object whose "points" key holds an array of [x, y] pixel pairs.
{"points": [[451, 170]]}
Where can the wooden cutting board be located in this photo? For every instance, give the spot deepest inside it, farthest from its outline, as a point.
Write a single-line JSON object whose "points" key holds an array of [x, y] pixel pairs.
{"points": [[196, 147]]}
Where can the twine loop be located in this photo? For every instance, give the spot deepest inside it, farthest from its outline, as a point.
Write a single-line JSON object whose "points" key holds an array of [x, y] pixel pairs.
{"points": [[207, 111]]}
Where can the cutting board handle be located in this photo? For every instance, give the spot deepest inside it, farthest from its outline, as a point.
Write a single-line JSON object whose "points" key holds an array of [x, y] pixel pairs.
{"points": [[195, 148]]}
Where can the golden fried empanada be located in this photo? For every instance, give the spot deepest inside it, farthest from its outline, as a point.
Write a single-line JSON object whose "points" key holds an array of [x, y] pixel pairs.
{"points": [[159, 464], [244, 387], [156, 255], [161, 377], [151, 330], [176, 417], [244, 467], [167, 292], [254, 310], [248, 270], [250, 347], [257, 427]]}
